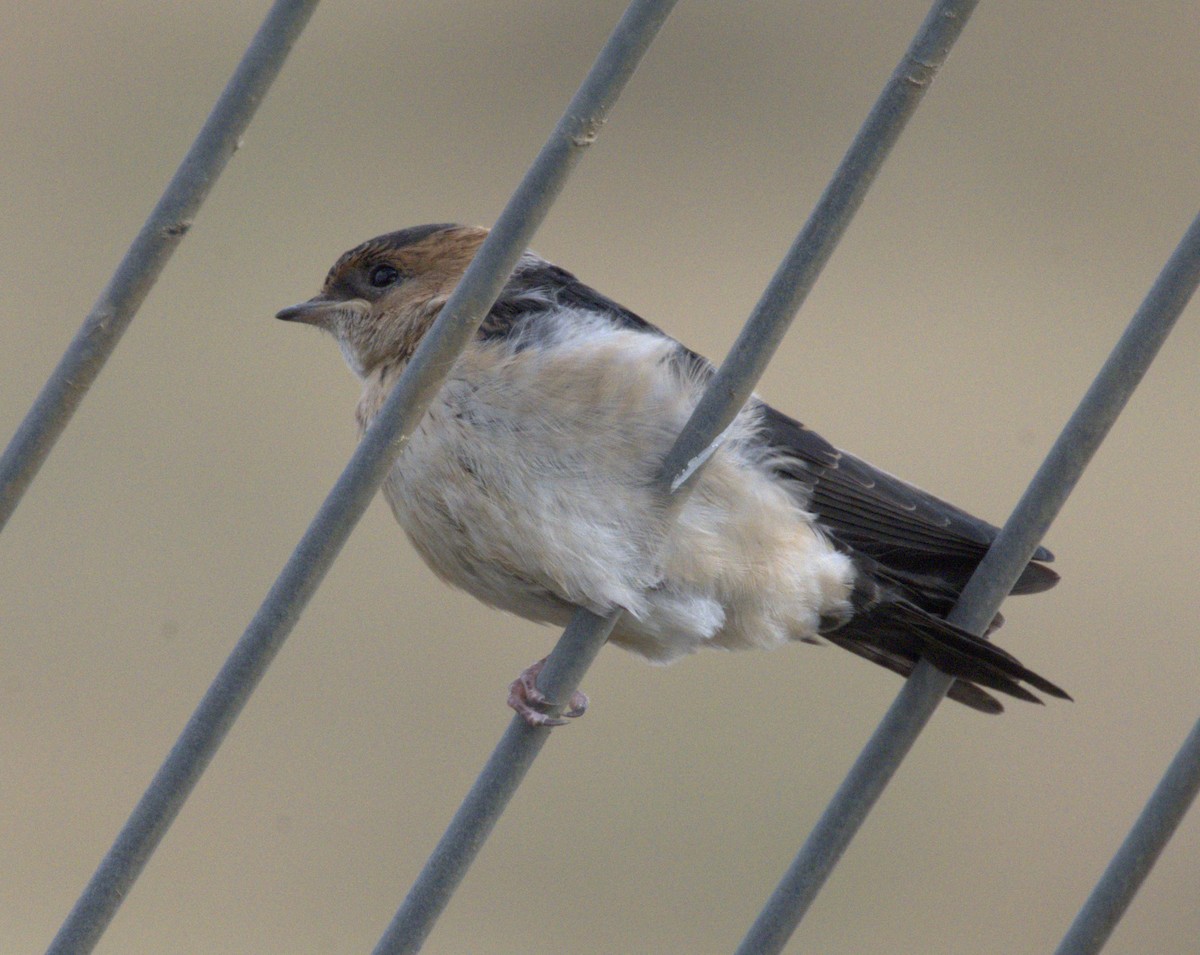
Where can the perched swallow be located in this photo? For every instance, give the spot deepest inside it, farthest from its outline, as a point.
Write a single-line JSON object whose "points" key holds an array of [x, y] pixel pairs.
{"points": [[530, 483]]}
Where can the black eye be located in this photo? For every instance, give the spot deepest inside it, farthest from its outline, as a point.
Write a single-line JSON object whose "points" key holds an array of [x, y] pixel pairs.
{"points": [[382, 276]]}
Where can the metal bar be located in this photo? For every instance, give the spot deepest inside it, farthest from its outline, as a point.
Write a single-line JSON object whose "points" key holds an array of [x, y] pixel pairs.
{"points": [[798, 272], [993, 579], [358, 483], [722, 400], [489, 796], [148, 255], [1138, 853], [586, 632]]}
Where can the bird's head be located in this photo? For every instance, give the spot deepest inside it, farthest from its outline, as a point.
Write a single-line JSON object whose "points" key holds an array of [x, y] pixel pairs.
{"points": [[381, 297]]}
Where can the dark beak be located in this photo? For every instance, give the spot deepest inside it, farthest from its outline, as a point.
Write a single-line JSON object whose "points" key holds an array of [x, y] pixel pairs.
{"points": [[316, 311], [324, 313]]}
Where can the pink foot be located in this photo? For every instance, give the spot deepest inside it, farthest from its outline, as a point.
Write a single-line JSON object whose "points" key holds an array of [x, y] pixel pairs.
{"points": [[532, 704]]}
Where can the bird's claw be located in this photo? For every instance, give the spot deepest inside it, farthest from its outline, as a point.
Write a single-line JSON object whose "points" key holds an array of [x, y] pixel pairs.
{"points": [[533, 705]]}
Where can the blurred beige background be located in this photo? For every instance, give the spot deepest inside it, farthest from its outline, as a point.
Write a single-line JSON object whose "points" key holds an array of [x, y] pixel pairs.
{"points": [[1029, 206]]}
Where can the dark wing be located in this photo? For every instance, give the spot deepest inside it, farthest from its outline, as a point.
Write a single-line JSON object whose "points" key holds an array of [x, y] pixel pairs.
{"points": [[918, 540], [537, 286]]}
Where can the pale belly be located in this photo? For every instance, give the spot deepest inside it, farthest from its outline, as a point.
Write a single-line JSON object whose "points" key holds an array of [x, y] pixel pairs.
{"points": [[500, 498]]}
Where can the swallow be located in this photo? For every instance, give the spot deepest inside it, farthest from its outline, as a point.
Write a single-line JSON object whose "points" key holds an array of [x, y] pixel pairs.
{"points": [[530, 483]]}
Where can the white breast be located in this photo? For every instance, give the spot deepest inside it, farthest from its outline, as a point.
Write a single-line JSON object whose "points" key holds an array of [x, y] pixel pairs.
{"points": [[528, 484]]}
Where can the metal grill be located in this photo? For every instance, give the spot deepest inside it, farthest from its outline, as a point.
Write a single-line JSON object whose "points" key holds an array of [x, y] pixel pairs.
{"points": [[582, 122]]}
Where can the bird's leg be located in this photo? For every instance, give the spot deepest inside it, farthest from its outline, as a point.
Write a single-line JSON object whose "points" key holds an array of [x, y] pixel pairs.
{"points": [[532, 704]]}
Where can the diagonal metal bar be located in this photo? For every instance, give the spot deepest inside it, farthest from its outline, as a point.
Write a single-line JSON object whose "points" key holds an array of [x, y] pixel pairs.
{"points": [[841, 199], [489, 796], [341, 510], [994, 578], [726, 394], [1146, 840], [153, 246]]}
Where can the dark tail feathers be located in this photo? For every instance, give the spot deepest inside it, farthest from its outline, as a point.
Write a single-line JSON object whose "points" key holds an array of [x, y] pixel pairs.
{"points": [[896, 634]]}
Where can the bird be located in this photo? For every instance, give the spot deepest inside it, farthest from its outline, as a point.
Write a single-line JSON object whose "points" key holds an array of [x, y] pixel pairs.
{"points": [[530, 484]]}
